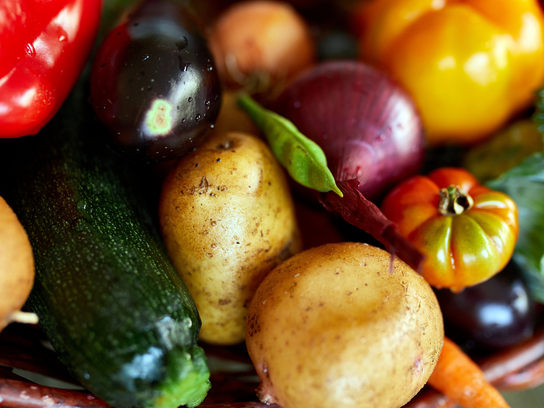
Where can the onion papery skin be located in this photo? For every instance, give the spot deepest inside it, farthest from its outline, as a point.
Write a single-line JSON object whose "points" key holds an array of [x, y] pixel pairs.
{"points": [[366, 124]]}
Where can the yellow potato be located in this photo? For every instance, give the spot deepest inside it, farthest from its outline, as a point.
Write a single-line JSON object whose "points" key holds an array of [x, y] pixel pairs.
{"points": [[334, 327], [227, 219], [16, 268]]}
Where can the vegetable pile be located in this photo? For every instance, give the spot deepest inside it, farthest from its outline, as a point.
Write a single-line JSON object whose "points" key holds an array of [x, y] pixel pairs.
{"points": [[349, 192]]}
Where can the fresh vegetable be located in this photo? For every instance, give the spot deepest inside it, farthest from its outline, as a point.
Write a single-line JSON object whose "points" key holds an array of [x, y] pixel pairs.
{"points": [[227, 219], [368, 129], [43, 48], [307, 164], [108, 298], [458, 377], [154, 84], [525, 185], [366, 125], [468, 65], [261, 44], [16, 268], [466, 231], [302, 157], [505, 150], [495, 314], [333, 327]]}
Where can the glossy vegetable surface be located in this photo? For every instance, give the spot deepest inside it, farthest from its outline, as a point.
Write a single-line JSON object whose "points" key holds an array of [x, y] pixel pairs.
{"points": [[469, 65], [43, 48], [154, 84], [366, 125], [495, 314], [108, 298], [467, 231]]}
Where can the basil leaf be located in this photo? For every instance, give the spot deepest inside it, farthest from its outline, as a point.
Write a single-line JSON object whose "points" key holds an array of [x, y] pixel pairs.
{"points": [[302, 157], [525, 185]]}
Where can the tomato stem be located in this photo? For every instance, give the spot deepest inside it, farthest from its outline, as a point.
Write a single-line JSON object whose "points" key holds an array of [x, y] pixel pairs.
{"points": [[453, 201]]}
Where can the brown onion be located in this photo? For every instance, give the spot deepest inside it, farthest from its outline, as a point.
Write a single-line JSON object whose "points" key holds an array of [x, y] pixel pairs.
{"points": [[261, 44], [365, 123]]}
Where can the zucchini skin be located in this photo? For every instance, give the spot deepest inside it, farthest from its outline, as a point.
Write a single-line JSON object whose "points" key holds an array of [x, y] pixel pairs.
{"points": [[106, 294]]}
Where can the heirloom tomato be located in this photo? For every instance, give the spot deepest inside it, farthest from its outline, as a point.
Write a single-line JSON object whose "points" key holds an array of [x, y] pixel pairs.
{"points": [[466, 231]]}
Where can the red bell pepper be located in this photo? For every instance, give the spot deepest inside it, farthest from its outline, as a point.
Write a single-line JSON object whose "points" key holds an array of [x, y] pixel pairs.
{"points": [[43, 48]]}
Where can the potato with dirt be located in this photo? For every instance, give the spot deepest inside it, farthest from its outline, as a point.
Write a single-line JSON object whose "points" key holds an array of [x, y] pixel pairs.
{"points": [[227, 219], [16, 268], [335, 326]]}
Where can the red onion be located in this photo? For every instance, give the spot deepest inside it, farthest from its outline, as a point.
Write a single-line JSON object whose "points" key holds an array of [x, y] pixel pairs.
{"points": [[365, 123], [371, 134]]}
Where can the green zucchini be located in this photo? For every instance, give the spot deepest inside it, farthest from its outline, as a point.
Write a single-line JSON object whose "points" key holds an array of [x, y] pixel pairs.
{"points": [[106, 294]]}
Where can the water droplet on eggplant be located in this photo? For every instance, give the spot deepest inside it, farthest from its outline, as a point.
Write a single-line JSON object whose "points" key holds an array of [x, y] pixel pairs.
{"points": [[176, 52], [182, 43]]}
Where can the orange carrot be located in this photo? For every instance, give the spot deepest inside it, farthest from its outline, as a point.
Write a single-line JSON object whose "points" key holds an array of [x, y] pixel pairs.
{"points": [[460, 378]]}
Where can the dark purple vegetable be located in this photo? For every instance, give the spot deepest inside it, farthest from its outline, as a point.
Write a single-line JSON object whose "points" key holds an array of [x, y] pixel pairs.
{"points": [[496, 314], [154, 84], [365, 123]]}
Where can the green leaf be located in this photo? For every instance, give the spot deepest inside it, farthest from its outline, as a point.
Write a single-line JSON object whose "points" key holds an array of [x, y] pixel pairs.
{"points": [[525, 185], [302, 157]]}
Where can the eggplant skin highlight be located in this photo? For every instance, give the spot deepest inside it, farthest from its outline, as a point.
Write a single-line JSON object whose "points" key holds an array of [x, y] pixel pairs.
{"points": [[154, 84]]}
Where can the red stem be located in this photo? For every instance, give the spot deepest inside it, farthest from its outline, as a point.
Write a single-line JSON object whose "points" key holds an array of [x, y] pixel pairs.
{"points": [[529, 377], [21, 394], [364, 214]]}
